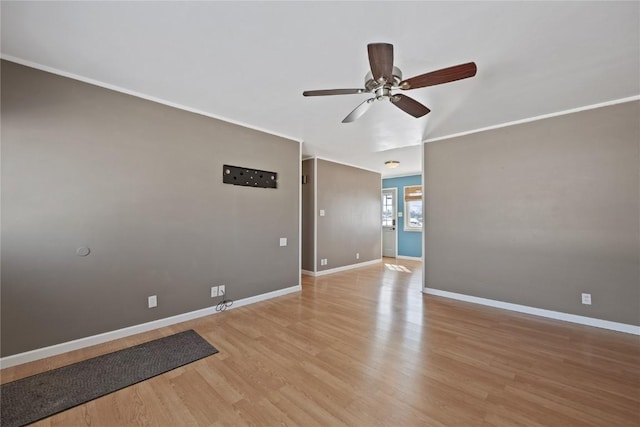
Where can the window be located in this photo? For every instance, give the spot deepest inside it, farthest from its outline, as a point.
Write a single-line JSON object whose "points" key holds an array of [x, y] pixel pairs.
{"points": [[413, 208], [387, 210]]}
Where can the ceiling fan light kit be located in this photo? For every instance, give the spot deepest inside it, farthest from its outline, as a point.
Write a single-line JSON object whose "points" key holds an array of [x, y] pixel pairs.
{"points": [[384, 77]]}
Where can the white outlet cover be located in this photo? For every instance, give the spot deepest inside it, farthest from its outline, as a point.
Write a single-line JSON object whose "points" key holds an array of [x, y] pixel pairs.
{"points": [[214, 291], [321, 212], [222, 290], [586, 299], [153, 301], [283, 241]]}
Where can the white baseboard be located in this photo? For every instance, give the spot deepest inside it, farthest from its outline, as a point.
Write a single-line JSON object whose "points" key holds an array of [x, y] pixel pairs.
{"points": [[343, 268], [307, 272], [573, 318], [415, 258], [41, 353]]}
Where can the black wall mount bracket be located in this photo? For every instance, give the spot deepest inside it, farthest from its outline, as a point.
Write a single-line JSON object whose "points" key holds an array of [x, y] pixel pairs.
{"points": [[249, 177]]}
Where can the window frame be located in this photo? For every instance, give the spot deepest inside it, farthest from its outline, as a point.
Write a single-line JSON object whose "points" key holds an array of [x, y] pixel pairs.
{"points": [[407, 212]]}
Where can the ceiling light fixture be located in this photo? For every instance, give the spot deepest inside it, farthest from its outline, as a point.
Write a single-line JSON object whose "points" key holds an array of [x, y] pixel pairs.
{"points": [[392, 164]]}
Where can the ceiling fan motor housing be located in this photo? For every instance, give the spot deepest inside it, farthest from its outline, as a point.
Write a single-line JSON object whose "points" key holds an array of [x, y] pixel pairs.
{"points": [[382, 90]]}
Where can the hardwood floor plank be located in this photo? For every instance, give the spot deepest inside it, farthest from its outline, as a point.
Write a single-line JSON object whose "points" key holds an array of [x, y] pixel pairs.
{"points": [[366, 347]]}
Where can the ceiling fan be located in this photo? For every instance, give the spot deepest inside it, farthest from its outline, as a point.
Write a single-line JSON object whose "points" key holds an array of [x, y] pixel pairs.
{"points": [[385, 77]]}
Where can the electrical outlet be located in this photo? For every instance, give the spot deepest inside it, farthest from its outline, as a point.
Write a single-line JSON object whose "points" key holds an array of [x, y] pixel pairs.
{"points": [[586, 299], [321, 212], [358, 255], [283, 241], [152, 301], [222, 290], [214, 291]]}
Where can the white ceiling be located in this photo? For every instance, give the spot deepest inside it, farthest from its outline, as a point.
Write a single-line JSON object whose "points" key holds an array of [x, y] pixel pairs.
{"points": [[249, 62]]}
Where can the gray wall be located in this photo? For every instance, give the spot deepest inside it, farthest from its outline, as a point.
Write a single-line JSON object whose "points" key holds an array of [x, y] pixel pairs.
{"points": [[351, 199], [141, 185], [308, 217], [537, 213]]}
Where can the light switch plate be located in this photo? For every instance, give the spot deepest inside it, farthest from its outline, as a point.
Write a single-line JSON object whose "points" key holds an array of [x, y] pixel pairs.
{"points": [[153, 301]]}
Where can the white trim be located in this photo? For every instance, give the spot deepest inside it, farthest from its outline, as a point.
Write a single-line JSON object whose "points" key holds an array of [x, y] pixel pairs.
{"points": [[246, 125], [393, 190], [41, 353], [346, 164], [142, 95], [263, 297], [315, 214], [307, 272], [536, 118], [300, 214], [405, 175], [424, 218], [573, 318], [415, 258], [345, 268], [406, 227]]}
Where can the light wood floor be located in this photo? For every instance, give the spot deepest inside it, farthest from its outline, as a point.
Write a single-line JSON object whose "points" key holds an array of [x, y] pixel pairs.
{"points": [[367, 348]]}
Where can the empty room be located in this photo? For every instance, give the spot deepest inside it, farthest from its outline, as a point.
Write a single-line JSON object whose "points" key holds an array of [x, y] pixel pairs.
{"points": [[312, 213]]}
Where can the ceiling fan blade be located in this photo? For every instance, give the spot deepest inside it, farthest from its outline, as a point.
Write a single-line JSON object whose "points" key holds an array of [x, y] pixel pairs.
{"points": [[446, 75], [409, 105], [358, 111], [332, 92], [381, 61]]}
